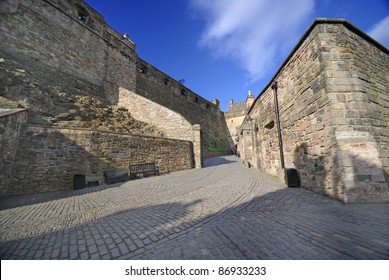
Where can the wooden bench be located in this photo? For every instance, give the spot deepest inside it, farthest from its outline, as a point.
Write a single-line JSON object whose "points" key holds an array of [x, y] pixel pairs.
{"points": [[115, 176], [143, 169]]}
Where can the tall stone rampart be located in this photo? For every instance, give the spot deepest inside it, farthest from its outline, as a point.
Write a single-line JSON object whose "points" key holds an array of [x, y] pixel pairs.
{"points": [[162, 89], [174, 125], [66, 46], [51, 33], [333, 94]]}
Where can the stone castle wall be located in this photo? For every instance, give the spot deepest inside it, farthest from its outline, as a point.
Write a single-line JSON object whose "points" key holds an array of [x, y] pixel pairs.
{"points": [[233, 124], [72, 43], [234, 117], [47, 158], [49, 33], [173, 124], [333, 94], [162, 89], [10, 127]]}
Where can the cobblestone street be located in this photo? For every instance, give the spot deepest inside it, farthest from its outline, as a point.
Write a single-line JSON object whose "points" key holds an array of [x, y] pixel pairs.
{"points": [[223, 211]]}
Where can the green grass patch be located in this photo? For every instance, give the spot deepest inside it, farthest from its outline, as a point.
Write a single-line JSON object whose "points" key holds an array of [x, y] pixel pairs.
{"points": [[216, 149]]}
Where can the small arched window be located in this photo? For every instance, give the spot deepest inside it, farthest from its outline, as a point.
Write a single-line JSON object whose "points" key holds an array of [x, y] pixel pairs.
{"points": [[143, 69], [82, 13], [165, 82]]}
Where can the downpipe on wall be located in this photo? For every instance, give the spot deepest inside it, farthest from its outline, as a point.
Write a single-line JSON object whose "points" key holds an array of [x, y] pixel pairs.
{"points": [[275, 88]]}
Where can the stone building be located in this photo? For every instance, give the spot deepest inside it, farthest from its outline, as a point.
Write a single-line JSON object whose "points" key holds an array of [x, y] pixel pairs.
{"points": [[234, 115], [88, 96], [333, 103]]}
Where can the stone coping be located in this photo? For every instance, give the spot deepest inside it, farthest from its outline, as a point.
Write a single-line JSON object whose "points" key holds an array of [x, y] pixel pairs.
{"points": [[5, 112], [316, 22], [101, 131]]}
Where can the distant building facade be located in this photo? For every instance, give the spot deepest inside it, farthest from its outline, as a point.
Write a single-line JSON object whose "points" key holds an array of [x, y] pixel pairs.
{"points": [[234, 117]]}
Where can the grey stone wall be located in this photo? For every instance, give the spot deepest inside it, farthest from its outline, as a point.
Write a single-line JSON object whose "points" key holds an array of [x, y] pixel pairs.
{"points": [[48, 158], [173, 125], [333, 102], [10, 126], [66, 46], [50, 33], [162, 89]]}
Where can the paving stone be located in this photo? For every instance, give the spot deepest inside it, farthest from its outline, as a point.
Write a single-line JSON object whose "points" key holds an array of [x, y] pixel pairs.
{"points": [[115, 253], [153, 237], [94, 256], [102, 249], [55, 253], [73, 255], [123, 249], [147, 241], [100, 241], [92, 249], [132, 248], [82, 248], [139, 243], [84, 256], [218, 212], [38, 254]]}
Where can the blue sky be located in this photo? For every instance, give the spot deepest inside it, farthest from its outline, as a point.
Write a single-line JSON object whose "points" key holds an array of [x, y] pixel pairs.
{"points": [[223, 48]]}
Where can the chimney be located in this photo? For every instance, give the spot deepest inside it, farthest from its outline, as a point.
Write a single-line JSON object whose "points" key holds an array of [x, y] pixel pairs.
{"points": [[216, 102], [250, 100], [231, 102]]}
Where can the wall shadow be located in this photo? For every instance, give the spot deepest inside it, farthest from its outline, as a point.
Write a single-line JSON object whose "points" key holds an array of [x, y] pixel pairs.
{"points": [[344, 176], [47, 161], [215, 161], [36, 198], [310, 170], [119, 227], [48, 158], [290, 223]]}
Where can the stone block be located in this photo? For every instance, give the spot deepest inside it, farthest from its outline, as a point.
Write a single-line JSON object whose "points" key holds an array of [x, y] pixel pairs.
{"points": [[364, 178], [352, 114], [377, 175]]}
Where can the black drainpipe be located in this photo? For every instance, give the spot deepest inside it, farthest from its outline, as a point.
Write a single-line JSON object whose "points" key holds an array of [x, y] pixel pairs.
{"points": [[274, 88]]}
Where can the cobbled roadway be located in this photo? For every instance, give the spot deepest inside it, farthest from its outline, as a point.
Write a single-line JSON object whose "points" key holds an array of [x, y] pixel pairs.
{"points": [[223, 211]]}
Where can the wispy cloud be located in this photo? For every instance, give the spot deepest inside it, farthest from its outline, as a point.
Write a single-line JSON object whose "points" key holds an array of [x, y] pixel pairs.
{"points": [[380, 31], [253, 32]]}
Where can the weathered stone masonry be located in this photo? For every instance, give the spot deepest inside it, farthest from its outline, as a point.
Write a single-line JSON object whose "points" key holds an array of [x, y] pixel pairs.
{"points": [[69, 37], [55, 53], [165, 91], [47, 158], [10, 127], [333, 94]]}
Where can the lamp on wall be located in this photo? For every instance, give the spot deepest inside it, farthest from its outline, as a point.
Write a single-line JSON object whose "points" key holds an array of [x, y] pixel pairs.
{"points": [[249, 120]]}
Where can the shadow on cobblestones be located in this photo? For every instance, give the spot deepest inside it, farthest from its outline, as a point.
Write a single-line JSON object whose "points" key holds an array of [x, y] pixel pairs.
{"points": [[31, 199], [284, 224], [348, 177], [105, 238], [201, 214], [212, 162]]}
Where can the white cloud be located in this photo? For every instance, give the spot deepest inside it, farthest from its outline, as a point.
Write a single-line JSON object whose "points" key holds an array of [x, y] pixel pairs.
{"points": [[253, 32], [380, 31]]}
